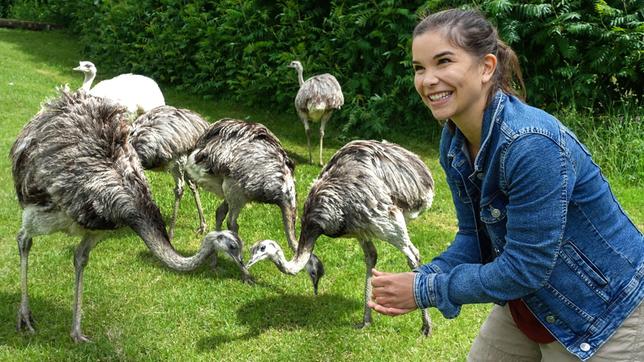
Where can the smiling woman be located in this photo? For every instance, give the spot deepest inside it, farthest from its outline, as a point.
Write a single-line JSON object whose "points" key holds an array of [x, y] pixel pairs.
{"points": [[540, 232]]}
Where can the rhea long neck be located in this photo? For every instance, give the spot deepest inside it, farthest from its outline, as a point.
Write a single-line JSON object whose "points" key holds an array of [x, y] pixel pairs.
{"points": [[300, 76], [154, 235], [87, 82], [300, 258], [288, 220]]}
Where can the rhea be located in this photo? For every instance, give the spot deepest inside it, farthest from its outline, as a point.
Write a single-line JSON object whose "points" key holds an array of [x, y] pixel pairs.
{"points": [[368, 190], [316, 100], [163, 138], [245, 162], [137, 93], [75, 172]]}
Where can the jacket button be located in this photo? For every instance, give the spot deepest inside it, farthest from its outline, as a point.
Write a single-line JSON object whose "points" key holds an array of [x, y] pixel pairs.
{"points": [[550, 319], [584, 347], [495, 213]]}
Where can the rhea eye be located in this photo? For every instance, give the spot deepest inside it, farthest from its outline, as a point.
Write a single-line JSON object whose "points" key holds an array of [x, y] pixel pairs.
{"points": [[263, 248]]}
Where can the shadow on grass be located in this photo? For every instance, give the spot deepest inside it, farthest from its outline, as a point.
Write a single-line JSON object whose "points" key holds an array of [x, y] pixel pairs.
{"points": [[297, 158], [286, 312], [51, 339]]}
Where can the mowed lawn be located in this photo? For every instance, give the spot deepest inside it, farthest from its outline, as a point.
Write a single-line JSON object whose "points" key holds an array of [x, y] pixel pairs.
{"points": [[135, 308]]}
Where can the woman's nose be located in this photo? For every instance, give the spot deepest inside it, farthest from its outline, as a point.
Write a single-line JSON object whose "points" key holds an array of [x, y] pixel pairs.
{"points": [[429, 79]]}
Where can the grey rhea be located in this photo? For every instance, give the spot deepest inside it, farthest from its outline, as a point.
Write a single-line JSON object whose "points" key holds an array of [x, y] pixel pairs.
{"points": [[75, 172], [163, 138], [368, 190], [245, 162], [316, 100]]}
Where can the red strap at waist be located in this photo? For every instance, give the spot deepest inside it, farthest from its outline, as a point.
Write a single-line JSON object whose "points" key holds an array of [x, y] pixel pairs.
{"points": [[528, 323]]}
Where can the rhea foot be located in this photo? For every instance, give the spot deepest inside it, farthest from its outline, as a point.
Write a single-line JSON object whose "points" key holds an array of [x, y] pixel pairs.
{"points": [[79, 337], [25, 321], [426, 330], [362, 325], [202, 228]]}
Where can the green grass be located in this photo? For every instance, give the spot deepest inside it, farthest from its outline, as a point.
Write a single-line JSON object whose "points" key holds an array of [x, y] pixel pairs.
{"points": [[137, 309]]}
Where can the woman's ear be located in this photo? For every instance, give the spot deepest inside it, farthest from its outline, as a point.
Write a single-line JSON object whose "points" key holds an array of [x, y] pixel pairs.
{"points": [[489, 66]]}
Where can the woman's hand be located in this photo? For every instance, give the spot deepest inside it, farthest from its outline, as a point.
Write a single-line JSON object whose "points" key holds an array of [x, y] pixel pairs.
{"points": [[392, 293]]}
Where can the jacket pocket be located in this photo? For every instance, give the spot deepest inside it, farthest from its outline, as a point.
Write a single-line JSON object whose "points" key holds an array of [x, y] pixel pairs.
{"points": [[582, 265], [493, 210], [493, 216]]}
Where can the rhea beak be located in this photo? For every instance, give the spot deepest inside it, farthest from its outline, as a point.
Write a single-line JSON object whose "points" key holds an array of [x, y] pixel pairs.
{"points": [[255, 259]]}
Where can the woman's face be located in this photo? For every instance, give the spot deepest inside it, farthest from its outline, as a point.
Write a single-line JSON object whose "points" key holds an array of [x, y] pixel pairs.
{"points": [[450, 81]]}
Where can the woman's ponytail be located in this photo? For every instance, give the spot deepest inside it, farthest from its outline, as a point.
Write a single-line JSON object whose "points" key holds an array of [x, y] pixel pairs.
{"points": [[508, 73]]}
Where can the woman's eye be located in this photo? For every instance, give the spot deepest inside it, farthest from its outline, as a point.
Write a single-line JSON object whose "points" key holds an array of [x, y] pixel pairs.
{"points": [[443, 60], [418, 68]]}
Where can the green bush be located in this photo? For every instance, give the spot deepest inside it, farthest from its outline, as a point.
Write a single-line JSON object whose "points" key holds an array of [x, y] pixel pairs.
{"points": [[574, 53], [614, 139], [5, 8], [584, 57]]}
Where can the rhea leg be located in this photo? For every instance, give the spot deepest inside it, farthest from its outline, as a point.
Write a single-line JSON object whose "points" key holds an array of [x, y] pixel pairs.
{"points": [[178, 175], [370, 259], [234, 196], [307, 130], [400, 239], [323, 121], [220, 215], [25, 319], [232, 225], [195, 192], [81, 257]]}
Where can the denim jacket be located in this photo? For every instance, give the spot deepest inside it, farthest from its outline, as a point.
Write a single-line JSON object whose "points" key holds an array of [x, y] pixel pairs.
{"points": [[536, 221]]}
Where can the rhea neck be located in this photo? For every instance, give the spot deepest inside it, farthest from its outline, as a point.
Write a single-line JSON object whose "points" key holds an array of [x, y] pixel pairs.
{"points": [[156, 239], [87, 82], [300, 76], [300, 259]]}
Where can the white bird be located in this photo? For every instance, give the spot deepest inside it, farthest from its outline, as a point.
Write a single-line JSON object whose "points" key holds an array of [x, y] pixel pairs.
{"points": [[75, 172], [368, 190], [316, 100], [137, 93], [163, 138]]}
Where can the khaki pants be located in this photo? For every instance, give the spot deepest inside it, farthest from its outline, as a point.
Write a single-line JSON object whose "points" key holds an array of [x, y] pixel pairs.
{"points": [[500, 340]]}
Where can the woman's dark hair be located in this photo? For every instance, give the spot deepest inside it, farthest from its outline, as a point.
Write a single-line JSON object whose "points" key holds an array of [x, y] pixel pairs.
{"points": [[471, 31]]}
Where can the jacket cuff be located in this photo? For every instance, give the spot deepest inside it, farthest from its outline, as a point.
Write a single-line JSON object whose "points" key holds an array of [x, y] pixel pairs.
{"points": [[424, 291], [429, 268]]}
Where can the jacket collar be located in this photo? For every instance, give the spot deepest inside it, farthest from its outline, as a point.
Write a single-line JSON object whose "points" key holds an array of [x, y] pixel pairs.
{"points": [[490, 115]]}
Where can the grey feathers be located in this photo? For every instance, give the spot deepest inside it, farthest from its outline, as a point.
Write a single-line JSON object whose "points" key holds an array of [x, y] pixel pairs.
{"points": [[251, 155], [74, 156], [361, 183], [319, 94], [164, 133]]}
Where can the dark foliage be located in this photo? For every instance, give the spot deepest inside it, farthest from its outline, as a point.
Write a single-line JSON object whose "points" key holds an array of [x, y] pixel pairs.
{"points": [[579, 53]]}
